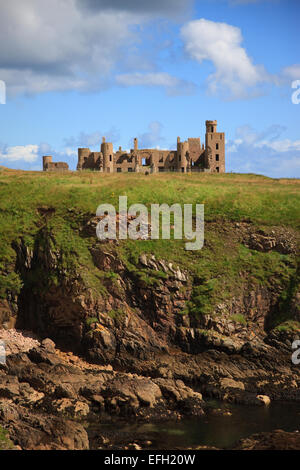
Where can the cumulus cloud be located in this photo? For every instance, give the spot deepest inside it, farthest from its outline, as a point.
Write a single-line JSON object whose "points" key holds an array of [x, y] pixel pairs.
{"points": [[155, 7], [172, 85], [29, 157], [287, 75], [292, 72], [285, 145], [25, 153], [221, 43], [82, 45], [47, 46], [264, 153], [93, 44], [69, 44]]}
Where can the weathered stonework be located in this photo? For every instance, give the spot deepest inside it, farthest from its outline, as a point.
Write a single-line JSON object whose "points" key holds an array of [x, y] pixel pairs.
{"points": [[49, 165], [189, 156]]}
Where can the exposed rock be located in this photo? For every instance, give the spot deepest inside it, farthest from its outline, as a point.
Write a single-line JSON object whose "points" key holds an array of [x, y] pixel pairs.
{"points": [[276, 440], [133, 391], [263, 400], [278, 239], [184, 397], [9, 387], [149, 357], [230, 383], [48, 344], [18, 341], [44, 432], [73, 408]]}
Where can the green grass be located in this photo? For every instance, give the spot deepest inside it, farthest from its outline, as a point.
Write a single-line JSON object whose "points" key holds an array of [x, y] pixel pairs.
{"points": [[289, 325], [116, 314], [52, 208], [5, 442], [238, 318], [287, 297], [90, 320], [10, 282]]}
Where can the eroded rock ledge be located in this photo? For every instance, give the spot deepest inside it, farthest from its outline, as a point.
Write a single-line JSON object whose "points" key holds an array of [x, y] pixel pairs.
{"points": [[51, 393], [49, 399], [129, 347]]}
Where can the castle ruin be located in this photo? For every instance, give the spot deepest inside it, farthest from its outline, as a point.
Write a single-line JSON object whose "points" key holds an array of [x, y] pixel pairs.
{"points": [[49, 165], [189, 156]]}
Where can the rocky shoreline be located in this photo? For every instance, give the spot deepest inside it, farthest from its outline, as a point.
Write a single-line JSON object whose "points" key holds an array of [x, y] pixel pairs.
{"points": [[141, 338], [46, 395], [51, 399]]}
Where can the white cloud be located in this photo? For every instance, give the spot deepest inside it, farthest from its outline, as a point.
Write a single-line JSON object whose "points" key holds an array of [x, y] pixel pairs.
{"points": [[292, 72], [26, 153], [264, 153], [287, 75], [70, 152], [280, 145], [31, 82], [285, 145], [246, 135], [75, 45], [155, 7], [70, 44], [47, 46], [172, 84], [220, 43]]}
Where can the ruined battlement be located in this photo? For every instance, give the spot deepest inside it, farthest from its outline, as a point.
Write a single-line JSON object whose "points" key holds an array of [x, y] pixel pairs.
{"points": [[49, 165], [189, 155]]}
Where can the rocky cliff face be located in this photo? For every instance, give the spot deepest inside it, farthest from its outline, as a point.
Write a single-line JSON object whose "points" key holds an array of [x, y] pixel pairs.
{"points": [[158, 335]]}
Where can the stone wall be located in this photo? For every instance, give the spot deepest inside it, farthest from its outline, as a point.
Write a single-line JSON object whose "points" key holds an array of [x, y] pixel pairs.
{"points": [[49, 165], [188, 155]]}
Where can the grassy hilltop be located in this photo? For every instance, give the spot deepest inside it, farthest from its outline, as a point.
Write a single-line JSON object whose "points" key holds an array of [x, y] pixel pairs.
{"points": [[62, 203]]}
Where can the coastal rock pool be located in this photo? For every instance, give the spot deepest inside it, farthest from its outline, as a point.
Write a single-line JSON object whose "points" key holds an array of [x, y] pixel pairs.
{"points": [[222, 426]]}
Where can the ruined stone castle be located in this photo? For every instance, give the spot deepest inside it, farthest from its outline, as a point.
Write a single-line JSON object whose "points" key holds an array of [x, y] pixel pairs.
{"points": [[49, 165], [190, 155]]}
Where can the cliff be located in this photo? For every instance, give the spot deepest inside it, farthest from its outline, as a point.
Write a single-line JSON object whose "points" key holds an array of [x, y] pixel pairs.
{"points": [[144, 328]]}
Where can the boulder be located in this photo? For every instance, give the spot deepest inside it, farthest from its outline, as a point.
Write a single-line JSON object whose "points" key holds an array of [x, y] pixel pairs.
{"points": [[263, 400]]}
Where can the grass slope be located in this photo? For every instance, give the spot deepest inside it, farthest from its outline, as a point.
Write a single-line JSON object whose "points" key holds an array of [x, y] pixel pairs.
{"points": [[266, 202]]}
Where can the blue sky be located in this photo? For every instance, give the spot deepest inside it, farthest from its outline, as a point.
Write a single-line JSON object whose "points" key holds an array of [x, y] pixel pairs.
{"points": [[78, 69]]}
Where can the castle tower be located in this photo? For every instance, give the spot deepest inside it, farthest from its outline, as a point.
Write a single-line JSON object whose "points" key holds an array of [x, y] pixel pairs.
{"points": [[211, 126], [83, 155], [182, 155], [108, 156], [214, 148], [46, 159], [135, 143], [178, 154]]}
